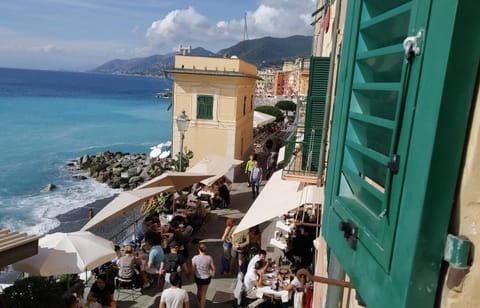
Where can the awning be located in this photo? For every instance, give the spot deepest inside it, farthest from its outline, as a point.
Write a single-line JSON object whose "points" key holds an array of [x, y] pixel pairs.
{"points": [[261, 119], [126, 201], [16, 246], [214, 164], [179, 180], [276, 198]]}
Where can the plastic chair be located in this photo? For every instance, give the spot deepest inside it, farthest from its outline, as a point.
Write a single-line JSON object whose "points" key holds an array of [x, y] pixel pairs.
{"points": [[126, 286]]}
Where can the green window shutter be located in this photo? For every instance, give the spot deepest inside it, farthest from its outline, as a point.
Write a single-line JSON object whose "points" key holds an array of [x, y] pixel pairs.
{"points": [[315, 110], [205, 107], [396, 143], [372, 106]]}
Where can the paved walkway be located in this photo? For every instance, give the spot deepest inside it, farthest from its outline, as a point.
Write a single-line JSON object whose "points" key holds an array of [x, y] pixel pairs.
{"points": [[220, 291]]}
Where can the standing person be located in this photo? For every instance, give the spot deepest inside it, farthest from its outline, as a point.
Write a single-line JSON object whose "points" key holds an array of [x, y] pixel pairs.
{"points": [[204, 270], [248, 169], [155, 256], [91, 213], [175, 296], [255, 179], [227, 248], [271, 164], [224, 193], [172, 262]]}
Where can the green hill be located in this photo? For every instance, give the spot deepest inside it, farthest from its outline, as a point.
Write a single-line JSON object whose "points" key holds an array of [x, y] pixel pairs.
{"points": [[263, 52]]}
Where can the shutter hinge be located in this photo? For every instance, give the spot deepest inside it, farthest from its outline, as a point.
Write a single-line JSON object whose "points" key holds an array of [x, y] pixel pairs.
{"points": [[394, 163], [413, 44]]}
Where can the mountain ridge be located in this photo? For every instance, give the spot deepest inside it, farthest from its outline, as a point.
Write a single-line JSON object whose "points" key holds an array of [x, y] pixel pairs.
{"points": [[262, 52]]}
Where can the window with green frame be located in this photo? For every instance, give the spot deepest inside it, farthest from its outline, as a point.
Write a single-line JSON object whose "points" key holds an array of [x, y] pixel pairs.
{"points": [[205, 107]]}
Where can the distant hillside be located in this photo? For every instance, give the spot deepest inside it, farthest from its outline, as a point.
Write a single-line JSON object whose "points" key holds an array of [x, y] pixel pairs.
{"points": [[153, 65], [270, 51], [263, 52]]}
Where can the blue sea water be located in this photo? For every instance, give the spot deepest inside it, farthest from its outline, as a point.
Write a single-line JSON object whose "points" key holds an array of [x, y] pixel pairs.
{"points": [[49, 118]]}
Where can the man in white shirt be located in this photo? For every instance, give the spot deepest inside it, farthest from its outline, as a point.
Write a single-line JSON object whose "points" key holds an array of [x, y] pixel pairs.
{"points": [[262, 254], [175, 296], [253, 279]]}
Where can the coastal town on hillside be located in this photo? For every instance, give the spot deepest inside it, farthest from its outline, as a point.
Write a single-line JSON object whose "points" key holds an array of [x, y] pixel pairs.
{"points": [[345, 179]]}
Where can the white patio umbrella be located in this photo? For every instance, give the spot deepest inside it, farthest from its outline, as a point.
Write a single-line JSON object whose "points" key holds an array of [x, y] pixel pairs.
{"points": [[179, 180], [216, 165], [123, 203], [155, 152], [67, 253], [261, 119]]}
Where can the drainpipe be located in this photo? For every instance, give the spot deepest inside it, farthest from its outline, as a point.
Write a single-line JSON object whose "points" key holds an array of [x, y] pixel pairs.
{"points": [[326, 116]]}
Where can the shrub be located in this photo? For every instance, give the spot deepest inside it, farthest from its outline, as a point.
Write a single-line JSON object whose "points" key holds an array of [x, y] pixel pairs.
{"points": [[286, 105], [34, 291], [271, 110]]}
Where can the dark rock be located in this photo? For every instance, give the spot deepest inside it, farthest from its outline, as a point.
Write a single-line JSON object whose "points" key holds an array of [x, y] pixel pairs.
{"points": [[135, 179], [50, 187]]}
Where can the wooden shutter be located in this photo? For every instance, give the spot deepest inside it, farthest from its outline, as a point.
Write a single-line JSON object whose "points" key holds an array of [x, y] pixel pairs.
{"points": [[205, 107], [395, 149], [315, 110]]}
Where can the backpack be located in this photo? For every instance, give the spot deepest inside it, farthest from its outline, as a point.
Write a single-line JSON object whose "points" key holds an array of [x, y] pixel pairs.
{"points": [[172, 265]]}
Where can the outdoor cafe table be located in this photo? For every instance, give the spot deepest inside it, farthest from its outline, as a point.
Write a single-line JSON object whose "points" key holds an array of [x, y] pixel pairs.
{"points": [[267, 292], [269, 279]]}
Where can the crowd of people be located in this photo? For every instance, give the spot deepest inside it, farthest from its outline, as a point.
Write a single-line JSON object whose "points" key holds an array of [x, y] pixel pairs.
{"points": [[159, 256]]}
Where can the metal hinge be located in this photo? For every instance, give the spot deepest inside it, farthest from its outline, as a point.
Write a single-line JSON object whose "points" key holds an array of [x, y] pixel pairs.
{"points": [[394, 163], [413, 44], [350, 233]]}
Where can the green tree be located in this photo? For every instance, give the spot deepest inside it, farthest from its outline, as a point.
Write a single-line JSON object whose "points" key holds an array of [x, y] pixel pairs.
{"points": [[271, 110], [286, 105]]}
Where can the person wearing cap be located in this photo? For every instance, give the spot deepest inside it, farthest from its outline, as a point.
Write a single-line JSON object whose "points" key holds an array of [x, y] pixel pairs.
{"points": [[171, 262]]}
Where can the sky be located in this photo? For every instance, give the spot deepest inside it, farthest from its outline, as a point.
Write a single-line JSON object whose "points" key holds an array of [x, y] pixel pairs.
{"points": [[82, 34]]}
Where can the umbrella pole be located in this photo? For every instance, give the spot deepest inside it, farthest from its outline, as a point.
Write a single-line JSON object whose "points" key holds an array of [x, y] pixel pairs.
{"points": [[134, 228]]}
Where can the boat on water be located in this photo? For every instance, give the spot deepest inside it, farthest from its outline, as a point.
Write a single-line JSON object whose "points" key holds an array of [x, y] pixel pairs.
{"points": [[166, 94]]}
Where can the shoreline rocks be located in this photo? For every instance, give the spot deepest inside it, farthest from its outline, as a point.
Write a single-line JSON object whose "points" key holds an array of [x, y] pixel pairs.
{"points": [[121, 170]]}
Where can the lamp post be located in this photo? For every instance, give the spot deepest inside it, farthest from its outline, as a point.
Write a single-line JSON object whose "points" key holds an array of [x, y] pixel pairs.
{"points": [[182, 125]]}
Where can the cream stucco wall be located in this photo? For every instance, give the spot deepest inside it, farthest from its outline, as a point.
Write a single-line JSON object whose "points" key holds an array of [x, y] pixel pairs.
{"points": [[224, 134], [466, 219]]}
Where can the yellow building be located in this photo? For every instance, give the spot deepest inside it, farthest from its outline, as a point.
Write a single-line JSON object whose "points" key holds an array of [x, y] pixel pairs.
{"points": [[217, 94]]}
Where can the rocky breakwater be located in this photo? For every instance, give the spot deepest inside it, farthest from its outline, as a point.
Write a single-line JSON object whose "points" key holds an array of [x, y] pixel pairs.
{"points": [[122, 170]]}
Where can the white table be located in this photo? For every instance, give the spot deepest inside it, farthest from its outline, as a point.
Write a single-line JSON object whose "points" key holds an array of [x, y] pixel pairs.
{"points": [[284, 295]]}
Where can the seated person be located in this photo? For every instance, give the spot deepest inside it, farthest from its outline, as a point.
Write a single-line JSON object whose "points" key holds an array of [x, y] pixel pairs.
{"points": [[253, 279], [290, 280], [102, 293], [144, 228], [262, 254], [129, 268]]}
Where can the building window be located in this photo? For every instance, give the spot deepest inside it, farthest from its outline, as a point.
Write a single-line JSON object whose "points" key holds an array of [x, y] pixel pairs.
{"points": [[251, 103], [205, 107], [244, 104]]}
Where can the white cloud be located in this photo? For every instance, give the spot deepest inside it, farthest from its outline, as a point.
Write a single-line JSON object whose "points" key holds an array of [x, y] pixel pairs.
{"points": [[25, 51], [277, 18]]}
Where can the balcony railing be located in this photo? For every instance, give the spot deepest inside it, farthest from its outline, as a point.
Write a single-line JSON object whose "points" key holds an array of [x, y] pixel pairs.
{"points": [[298, 163]]}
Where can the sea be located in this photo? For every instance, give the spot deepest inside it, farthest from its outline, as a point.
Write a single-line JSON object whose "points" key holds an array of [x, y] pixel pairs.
{"points": [[49, 118]]}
